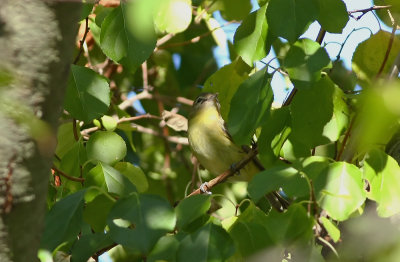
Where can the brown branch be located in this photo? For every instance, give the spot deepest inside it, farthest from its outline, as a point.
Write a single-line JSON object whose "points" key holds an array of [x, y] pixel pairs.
{"points": [[366, 10], [82, 41], [387, 50], [346, 137], [146, 95], [227, 174], [72, 178]]}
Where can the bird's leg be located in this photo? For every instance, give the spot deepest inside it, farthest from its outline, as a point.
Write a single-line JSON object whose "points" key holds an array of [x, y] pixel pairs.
{"points": [[233, 168]]}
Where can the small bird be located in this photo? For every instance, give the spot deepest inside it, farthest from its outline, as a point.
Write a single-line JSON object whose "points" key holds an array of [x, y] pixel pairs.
{"points": [[214, 148]]}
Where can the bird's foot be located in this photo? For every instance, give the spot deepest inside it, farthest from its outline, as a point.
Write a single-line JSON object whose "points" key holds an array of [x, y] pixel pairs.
{"points": [[233, 168], [204, 188]]}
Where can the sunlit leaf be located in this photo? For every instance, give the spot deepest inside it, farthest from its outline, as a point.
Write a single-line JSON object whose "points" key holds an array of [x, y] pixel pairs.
{"points": [[106, 147], [134, 174], [88, 94], [173, 16], [340, 191], [110, 179], [331, 228], [369, 55], [252, 40], [121, 44]]}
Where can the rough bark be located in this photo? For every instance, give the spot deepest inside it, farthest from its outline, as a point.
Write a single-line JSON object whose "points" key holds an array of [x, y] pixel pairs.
{"points": [[36, 45]]}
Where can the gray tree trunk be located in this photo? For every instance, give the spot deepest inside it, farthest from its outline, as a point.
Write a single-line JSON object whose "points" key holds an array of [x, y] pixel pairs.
{"points": [[36, 45]]}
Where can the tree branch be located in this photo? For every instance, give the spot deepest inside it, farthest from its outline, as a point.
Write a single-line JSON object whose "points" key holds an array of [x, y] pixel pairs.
{"points": [[82, 40], [227, 174], [72, 178], [366, 10]]}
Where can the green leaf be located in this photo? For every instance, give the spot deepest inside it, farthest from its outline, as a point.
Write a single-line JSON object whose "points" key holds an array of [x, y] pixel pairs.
{"points": [[274, 132], [292, 182], [110, 179], [71, 164], [88, 94], [109, 123], [96, 212], [331, 228], [249, 105], [319, 114], [106, 147], [369, 55], [226, 81], [344, 78], [234, 9], [333, 15], [65, 138], [250, 233], [292, 226], [340, 190], [121, 43], [138, 221], [304, 62], [252, 40], [88, 245], [63, 222], [208, 243], [191, 212], [134, 174], [165, 249], [382, 172], [290, 18], [173, 16]]}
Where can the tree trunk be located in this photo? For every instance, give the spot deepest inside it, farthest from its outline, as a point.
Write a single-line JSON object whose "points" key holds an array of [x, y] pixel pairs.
{"points": [[36, 45]]}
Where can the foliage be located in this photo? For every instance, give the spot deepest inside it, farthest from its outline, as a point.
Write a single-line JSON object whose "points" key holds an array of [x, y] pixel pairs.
{"points": [[121, 171]]}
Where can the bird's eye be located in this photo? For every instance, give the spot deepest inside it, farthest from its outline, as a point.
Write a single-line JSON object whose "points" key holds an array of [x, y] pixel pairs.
{"points": [[199, 100]]}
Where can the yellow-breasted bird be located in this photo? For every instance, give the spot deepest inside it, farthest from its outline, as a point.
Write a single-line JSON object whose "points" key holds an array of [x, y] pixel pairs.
{"points": [[214, 148]]}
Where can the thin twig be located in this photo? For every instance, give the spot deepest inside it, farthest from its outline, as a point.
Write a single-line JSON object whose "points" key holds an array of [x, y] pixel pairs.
{"points": [[387, 50], [146, 95], [145, 77], [366, 10], [82, 40], [228, 173], [72, 178], [346, 137]]}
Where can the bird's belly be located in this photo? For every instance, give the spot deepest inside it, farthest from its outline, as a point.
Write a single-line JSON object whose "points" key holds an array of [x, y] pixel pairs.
{"points": [[214, 150]]}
